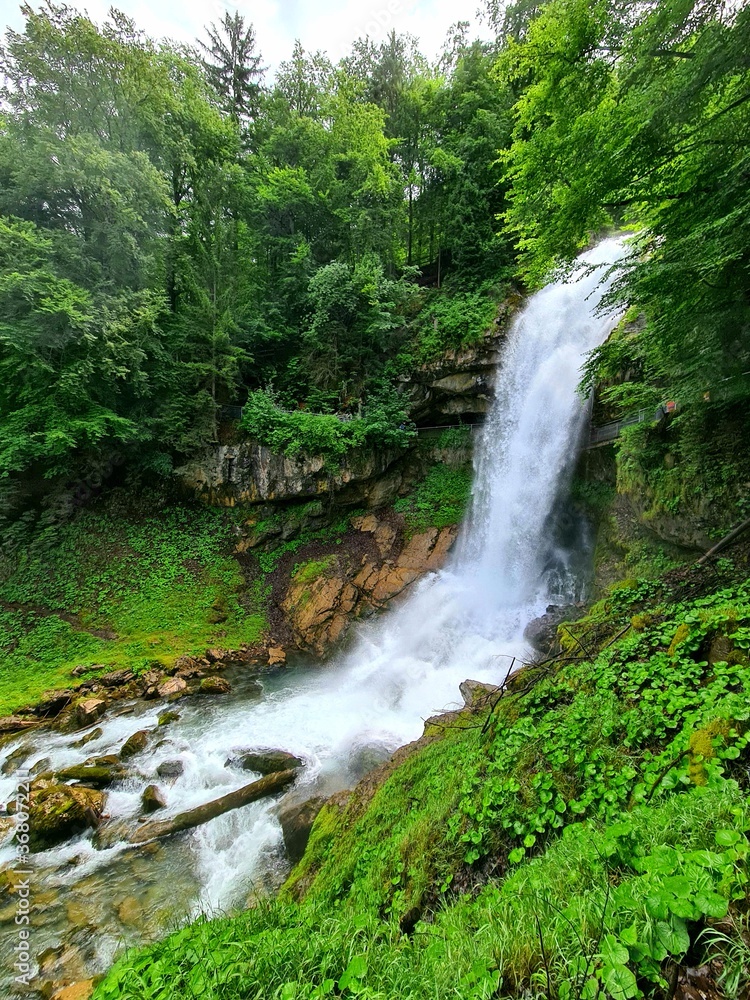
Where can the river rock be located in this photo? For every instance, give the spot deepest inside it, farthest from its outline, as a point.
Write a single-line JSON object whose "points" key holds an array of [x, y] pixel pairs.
{"points": [[16, 758], [296, 821], [276, 656], [166, 717], [476, 694], [89, 711], [172, 689], [130, 911], [170, 769], [95, 775], [265, 761], [215, 685], [42, 765], [88, 738], [134, 744], [58, 812], [76, 991], [152, 799]]}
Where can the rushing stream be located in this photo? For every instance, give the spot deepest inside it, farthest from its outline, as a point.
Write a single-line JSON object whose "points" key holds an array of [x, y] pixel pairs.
{"points": [[466, 621]]}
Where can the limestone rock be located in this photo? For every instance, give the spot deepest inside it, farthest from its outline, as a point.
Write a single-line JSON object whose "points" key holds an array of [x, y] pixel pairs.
{"points": [[52, 703], [172, 689], [117, 678], [15, 724], [58, 812], [134, 744], [215, 685], [89, 711], [276, 656], [265, 761], [152, 799], [296, 821]]}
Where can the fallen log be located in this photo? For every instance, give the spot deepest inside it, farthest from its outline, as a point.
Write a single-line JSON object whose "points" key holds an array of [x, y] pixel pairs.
{"points": [[202, 814], [724, 542]]}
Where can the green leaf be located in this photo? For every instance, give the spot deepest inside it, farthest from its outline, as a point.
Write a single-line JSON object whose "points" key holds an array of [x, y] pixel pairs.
{"points": [[726, 838], [711, 904], [619, 982], [613, 951]]}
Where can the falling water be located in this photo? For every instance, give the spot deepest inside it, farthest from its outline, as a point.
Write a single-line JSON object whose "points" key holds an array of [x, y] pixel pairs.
{"points": [[465, 621]]}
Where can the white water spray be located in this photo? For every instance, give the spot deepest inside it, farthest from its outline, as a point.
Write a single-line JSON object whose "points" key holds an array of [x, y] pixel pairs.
{"points": [[465, 621]]}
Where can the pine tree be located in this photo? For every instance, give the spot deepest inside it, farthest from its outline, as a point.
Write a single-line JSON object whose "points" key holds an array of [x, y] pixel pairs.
{"points": [[233, 66]]}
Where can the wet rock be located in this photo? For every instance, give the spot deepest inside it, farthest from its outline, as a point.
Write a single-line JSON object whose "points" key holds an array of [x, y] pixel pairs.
{"points": [[215, 685], [265, 761], [477, 694], [88, 711], [172, 689], [276, 656], [166, 717], [58, 812], [40, 767], [296, 821], [76, 991], [100, 775], [117, 678], [88, 738], [217, 655], [134, 744], [170, 769], [15, 724], [542, 632], [152, 799], [16, 758], [130, 911]]}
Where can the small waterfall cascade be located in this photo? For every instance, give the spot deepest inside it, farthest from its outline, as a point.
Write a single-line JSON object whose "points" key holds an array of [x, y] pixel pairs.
{"points": [[466, 621]]}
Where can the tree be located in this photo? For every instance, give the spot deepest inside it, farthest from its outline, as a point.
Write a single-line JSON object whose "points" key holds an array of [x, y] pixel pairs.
{"points": [[233, 66]]}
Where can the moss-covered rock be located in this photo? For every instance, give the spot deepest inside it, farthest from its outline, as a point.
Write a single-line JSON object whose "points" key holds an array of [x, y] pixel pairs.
{"points": [[58, 812]]}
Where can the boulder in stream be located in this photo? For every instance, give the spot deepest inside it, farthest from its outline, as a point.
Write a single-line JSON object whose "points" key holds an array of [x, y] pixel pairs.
{"points": [[264, 761], [134, 744], [166, 717], [170, 769], [58, 812], [88, 737], [215, 685], [152, 799], [95, 775], [88, 711]]}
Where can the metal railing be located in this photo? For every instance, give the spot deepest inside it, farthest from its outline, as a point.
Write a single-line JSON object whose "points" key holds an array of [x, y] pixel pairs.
{"points": [[610, 432]]}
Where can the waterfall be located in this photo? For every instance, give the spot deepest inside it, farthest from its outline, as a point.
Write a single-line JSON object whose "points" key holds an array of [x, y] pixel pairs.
{"points": [[466, 621]]}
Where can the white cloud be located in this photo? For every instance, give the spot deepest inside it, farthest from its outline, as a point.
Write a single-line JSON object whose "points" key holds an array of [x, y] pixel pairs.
{"points": [[331, 25]]}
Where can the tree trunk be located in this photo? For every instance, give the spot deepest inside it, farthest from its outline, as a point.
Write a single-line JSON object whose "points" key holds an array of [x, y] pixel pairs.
{"points": [[202, 814]]}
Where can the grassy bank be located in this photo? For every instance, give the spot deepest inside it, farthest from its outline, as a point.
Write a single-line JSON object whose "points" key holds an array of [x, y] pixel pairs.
{"points": [[588, 839], [127, 582]]}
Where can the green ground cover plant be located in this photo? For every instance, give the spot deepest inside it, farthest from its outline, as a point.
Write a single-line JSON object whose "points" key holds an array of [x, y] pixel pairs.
{"points": [[584, 838], [119, 586]]}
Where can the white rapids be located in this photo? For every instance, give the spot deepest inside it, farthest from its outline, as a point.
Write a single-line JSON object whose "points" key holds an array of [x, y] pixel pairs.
{"points": [[466, 621]]}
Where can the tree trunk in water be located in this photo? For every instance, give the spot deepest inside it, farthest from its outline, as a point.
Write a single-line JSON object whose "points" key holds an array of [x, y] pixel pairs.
{"points": [[202, 814]]}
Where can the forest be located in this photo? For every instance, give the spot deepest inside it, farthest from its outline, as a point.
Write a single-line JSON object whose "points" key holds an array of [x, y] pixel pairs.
{"points": [[182, 233]]}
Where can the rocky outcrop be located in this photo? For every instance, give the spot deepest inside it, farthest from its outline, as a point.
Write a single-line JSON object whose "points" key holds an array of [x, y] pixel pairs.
{"points": [[320, 608], [459, 385], [250, 473]]}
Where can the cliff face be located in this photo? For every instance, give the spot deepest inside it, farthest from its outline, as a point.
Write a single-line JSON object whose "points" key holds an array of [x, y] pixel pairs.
{"points": [[456, 388]]}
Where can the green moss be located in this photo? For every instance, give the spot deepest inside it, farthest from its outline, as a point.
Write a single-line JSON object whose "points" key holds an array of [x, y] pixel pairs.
{"points": [[122, 587], [313, 568], [439, 500]]}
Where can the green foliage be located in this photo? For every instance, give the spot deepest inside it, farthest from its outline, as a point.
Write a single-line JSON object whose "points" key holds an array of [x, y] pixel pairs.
{"points": [[456, 320], [439, 500], [606, 859], [384, 423], [119, 586]]}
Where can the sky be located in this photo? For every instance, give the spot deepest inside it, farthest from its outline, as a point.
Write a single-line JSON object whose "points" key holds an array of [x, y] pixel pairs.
{"points": [[330, 25]]}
